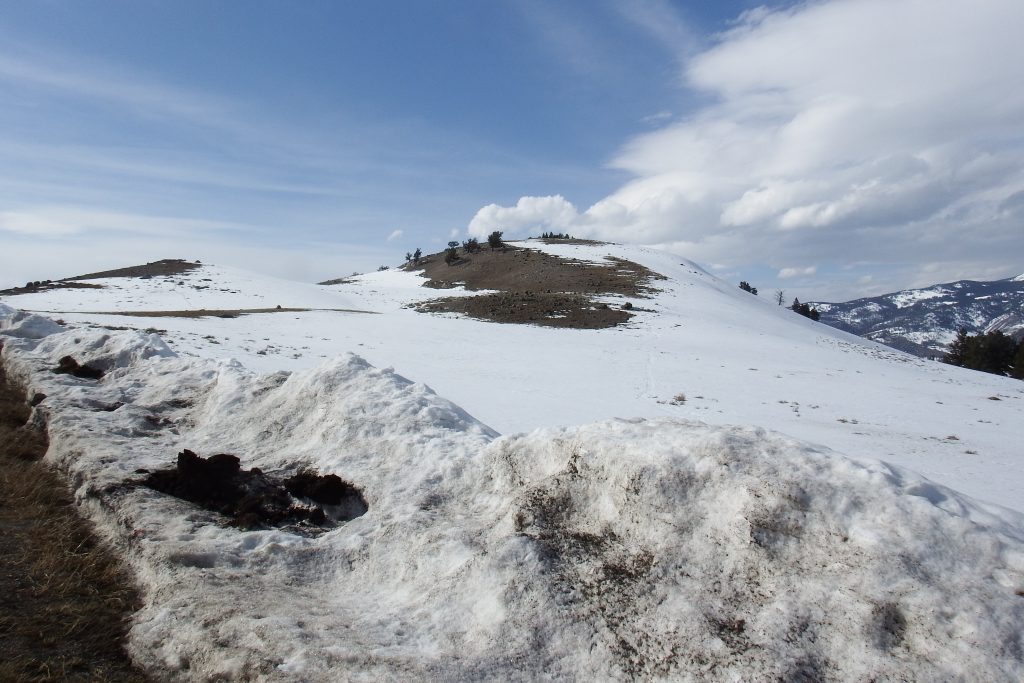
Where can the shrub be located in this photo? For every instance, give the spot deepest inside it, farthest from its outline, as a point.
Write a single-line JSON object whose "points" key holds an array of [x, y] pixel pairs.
{"points": [[805, 310], [494, 239]]}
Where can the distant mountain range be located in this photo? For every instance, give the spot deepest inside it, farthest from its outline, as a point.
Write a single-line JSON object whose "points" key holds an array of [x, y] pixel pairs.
{"points": [[924, 321]]}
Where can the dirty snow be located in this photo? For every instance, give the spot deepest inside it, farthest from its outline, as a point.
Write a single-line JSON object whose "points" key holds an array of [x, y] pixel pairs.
{"points": [[670, 544]]}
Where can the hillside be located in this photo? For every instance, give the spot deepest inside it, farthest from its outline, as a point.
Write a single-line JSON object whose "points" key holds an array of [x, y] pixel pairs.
{"points": [[735, 358], [696, 491], [924, 321]]}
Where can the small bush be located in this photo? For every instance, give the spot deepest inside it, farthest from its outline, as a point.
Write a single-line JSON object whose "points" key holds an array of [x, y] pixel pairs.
{"points": [[805, 310]]}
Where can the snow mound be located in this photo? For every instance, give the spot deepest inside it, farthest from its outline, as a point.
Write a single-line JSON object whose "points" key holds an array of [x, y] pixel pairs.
{"points": [[15, 323], [108, 352], [612, 551]]}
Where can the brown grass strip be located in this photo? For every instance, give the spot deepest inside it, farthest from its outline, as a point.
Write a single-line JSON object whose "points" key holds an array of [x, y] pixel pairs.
{"points": [[205, 312], [65, 599]]}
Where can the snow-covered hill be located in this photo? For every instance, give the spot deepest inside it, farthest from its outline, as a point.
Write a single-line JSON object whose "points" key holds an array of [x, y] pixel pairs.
{"points": [[722, 513], [924, 321], [732, 357]]}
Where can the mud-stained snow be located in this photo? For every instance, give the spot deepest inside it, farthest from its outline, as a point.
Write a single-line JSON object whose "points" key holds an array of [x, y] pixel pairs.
{"points": [[624, 549]]}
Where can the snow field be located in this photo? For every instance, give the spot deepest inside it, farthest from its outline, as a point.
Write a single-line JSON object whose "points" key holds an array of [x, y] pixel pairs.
{"points": [[736, 358], [650, 548]]}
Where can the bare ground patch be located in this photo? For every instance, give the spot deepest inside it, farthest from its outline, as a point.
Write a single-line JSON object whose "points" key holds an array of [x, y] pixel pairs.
{"points": [[166, 267], [536, 288], [47, 285], [207, 312], [306, 503], [550, 310], [154, 269], [65, 600]]}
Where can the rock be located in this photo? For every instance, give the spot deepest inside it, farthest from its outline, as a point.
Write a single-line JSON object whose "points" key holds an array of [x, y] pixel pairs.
{"points": [[69, 366]]}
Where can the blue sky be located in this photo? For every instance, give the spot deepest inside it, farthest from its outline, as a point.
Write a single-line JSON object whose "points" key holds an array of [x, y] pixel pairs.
{"points": [[782, 145]]}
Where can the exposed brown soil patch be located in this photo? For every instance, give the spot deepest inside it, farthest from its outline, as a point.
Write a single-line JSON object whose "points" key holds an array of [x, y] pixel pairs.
{"points": [[47, 285], [306, 502], [522, 270], [536, 288], [65, 600], [165, 267], [550, 310], [154, 269], [207, 312], [69, 366], [568, 240]]}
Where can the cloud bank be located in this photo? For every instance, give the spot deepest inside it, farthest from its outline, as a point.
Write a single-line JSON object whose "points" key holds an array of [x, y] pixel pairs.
{"points": [[844, 132]]}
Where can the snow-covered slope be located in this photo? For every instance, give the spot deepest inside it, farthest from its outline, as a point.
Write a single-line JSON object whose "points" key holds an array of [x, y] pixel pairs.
{"points": [[925, 321], [206, 287], [737, 359], [721, 515]]}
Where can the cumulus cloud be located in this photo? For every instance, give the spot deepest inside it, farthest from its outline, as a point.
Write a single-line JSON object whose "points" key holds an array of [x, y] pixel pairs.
{"points": [[395, 234], [882, 131], [530, 214]]}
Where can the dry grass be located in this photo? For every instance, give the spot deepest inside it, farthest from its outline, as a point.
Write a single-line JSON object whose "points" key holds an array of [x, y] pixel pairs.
{"points": [[65, 600], [207, 312], [536, 288]]}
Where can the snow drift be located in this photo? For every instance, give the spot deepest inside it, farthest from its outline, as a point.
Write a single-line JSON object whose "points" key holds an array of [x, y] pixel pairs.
{"points": [[628, 548]]}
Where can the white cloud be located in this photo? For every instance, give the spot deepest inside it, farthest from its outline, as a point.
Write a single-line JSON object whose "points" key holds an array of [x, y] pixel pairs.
{"points": [[53, 222], [660, 20], [787, 273], [530, 214], [659, 117], [881, 131], [395, 234]]}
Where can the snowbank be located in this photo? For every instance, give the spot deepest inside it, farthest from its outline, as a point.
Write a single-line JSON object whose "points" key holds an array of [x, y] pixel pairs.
{"points": [[14, 323], [623, 549]]}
